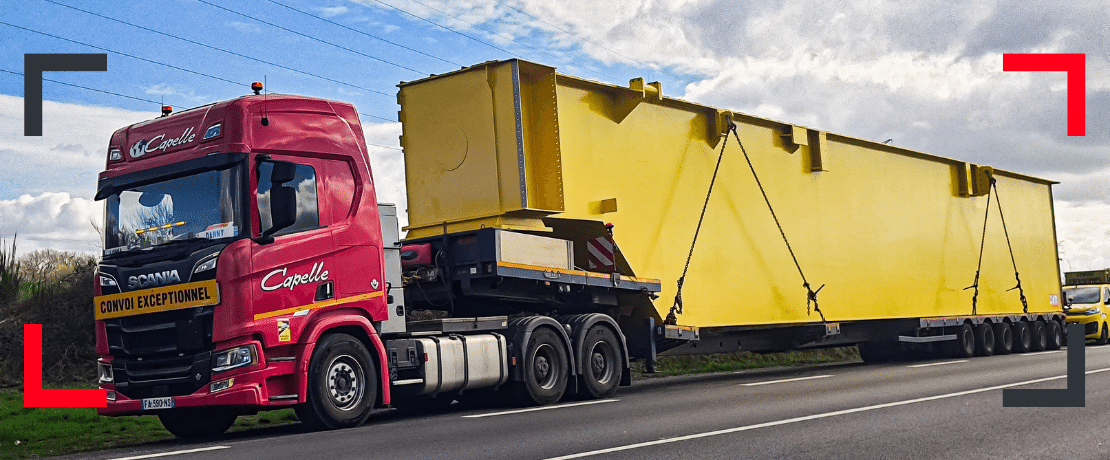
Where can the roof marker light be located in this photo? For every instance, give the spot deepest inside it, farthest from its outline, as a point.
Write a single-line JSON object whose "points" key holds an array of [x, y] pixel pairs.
{"points": [[166, 110], [212, 131], [256, 87], [114, 155]]}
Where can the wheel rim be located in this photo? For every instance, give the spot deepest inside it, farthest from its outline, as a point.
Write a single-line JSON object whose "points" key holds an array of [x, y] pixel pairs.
{"points": [[544, 364], [601, 363], [345, 382]]}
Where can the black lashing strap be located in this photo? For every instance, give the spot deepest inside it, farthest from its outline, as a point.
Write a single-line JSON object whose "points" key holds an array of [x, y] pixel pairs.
{"points": [[811, 294], [1009, 245]]}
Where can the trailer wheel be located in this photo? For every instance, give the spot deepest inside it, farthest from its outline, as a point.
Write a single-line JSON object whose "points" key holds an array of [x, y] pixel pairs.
{"points": [[964, 345], [1023, 337], [601, 363], [190, 423], [545, 369], [1003, 339], [341, 384], [1055, 335], [1104, 337], [1040, 336], [984, 340]]}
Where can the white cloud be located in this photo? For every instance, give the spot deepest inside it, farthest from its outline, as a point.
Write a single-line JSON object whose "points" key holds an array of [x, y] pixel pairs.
{"points": [[176, 93], [52, 220], [332, 11], [245, 27]]}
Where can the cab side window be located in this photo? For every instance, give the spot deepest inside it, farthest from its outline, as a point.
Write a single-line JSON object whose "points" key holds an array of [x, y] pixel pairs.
{"points": [[308, 209]]}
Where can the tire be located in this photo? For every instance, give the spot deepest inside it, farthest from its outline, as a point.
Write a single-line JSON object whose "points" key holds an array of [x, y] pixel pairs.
{"points": [[1104, 337], [1055, 334], [1040, 336], [964, 346], [984, 340], [602, 365], [192, 423], [344, 361], [545, 369], [1023, 337], [1003, 339]]}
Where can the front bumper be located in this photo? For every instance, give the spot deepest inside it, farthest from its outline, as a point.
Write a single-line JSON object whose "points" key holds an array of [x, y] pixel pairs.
{"points": [[264, 385], [1090, 323]]}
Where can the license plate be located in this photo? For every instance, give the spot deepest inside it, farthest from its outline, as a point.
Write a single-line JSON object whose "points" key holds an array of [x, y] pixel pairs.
{"points": [[157, 403]]}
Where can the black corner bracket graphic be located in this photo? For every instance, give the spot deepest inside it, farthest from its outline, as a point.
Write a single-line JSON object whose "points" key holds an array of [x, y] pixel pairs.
{"points": [[33, 67], [1072, 396]]}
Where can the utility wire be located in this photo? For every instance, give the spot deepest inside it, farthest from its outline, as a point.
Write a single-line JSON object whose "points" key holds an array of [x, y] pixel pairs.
{"points": [[125, 54], [90, 89], [219, 49], [447, 29], [313, 38], [485, 29], [363, 33]]}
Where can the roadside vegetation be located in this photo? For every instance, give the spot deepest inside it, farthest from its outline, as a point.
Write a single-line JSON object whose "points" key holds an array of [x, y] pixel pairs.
{"points": [[55, 289]]}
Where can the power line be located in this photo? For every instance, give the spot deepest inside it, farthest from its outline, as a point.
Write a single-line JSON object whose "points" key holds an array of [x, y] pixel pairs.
{"points": [[447, 29], [125, 54], [220, 49], [313, 38], [90, 89], [485, 29], [565, 31], [375, 116], [363, 33]]}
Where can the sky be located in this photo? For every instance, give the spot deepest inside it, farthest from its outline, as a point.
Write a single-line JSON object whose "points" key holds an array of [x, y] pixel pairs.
{"points": [[926, 74]]}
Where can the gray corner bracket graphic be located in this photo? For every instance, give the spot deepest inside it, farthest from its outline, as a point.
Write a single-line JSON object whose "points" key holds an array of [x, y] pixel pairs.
{"points": [[1072, 396], [33, 67]]}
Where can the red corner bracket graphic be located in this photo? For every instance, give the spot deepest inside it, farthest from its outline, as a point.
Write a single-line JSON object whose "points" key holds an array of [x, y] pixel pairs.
{"points": [[1074, 65], [33, 393]]}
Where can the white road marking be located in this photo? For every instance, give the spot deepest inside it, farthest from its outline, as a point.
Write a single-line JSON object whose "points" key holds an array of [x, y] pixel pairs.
{"points": [[533, 409], [1041, 353], [939, 364], [176, 452], [770, 382], [809, 417]]}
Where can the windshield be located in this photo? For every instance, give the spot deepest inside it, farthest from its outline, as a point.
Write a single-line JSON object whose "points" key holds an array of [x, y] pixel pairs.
{"points": [[204, 205], [1082, 295]]}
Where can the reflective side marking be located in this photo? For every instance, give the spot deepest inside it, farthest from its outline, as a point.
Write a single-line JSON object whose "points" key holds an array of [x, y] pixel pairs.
{"points": [[314, 306]]}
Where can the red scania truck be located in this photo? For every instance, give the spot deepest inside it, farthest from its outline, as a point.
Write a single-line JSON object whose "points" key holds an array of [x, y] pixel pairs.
{"points": [[249, 266]]}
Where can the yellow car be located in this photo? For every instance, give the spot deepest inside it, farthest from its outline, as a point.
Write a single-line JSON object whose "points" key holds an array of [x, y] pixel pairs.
{"points": [[1087, 305]]}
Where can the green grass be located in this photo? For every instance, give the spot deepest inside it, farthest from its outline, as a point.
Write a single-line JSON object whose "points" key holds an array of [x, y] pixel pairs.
{"points": [[48, 431], [701, 364]]}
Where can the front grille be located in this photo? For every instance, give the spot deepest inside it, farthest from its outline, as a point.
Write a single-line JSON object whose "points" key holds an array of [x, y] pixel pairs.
{"points": [[159, 377], [175, 331], [161, 354]]}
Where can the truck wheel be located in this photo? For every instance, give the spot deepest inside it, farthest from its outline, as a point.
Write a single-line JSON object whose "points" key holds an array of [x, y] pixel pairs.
{"points": [[341, 384], [601, 363], [1023, 337], [1104, 337], [545, 369], [1040, 336], [189, 423], [1003, 339], [984, 340], [1055, 335], [964, 345]]}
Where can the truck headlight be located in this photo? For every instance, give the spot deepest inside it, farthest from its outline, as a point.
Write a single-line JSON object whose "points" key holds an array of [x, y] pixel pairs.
{"points": [[234, 358], [104, 372], [107, 280], [206, 264]]}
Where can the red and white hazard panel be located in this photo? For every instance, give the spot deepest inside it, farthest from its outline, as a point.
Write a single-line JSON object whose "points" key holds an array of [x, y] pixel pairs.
{"points": [[602, 253]]}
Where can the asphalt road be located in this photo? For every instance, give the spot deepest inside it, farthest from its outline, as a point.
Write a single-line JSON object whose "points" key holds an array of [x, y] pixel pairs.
{"points": [[921, 410]]}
